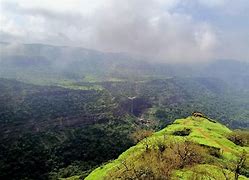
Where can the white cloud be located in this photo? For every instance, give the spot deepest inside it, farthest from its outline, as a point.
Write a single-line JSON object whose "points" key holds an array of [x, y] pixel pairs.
{"points": [[150, 27], [82, 6], [8, 25], [213, 3], [206, 38], [152, 31]]}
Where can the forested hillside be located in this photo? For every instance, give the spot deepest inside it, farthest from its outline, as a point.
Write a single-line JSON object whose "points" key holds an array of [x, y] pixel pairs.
{"points": [[173, 98], [47, 129]]}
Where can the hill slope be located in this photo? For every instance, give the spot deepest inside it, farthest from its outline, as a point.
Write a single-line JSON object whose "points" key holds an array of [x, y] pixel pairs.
{"points": [[201, 145], [58, 129]]}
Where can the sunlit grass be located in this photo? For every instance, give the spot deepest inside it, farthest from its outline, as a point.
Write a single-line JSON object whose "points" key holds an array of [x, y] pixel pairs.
{"points": [[203, 132]]}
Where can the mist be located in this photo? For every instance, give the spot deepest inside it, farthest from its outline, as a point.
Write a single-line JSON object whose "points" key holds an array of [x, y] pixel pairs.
{"points": [[172, 31]]}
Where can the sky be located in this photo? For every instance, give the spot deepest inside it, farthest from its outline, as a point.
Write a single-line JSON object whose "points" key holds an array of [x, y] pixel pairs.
{"points": [[168, 30]]}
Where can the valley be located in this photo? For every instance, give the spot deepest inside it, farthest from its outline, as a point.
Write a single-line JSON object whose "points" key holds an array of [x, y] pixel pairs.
{"points": [[71, 119]]}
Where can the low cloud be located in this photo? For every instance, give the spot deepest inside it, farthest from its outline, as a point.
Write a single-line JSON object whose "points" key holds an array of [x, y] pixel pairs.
{"points": [[165, 30], [146, 28]]}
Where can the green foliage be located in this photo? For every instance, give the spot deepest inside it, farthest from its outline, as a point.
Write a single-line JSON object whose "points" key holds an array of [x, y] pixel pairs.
{"points": [[53, 132], [32, 157], [184, 132], [239, 137], [174, 98], [26, 158], [205, 148]]}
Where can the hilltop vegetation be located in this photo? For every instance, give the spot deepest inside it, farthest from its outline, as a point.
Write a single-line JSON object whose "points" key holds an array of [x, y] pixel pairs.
{"points": [[204, 153]]}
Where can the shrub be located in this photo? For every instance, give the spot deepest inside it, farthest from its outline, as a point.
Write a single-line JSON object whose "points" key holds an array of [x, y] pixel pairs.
{"points": [[239, 137], [213, 151], [156, 164], [142, 134], [184, 132]]}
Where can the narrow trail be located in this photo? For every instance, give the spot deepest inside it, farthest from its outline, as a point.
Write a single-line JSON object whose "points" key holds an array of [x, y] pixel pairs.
{"points": [[207, 136]]}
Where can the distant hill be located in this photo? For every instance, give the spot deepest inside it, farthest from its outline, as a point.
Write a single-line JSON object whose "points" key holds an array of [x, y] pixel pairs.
{"points": [[190, 148], [39, 63], [232, 72], [47, 64]]}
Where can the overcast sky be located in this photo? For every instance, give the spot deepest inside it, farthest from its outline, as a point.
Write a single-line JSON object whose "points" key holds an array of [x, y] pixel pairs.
{"points": [[171, 30]]}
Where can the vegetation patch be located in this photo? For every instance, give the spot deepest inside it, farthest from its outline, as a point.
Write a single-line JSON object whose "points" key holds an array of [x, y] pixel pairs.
{"points": [[213, 151], [184, 132], [157, 164], [239, 137]]}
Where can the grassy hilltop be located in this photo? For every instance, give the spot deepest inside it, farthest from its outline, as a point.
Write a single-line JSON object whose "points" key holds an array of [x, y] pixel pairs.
{"points": [[191, 148]]}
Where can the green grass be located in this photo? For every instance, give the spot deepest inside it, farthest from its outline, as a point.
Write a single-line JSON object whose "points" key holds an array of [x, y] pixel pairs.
{"points": [[200, 172], [203, 132]]}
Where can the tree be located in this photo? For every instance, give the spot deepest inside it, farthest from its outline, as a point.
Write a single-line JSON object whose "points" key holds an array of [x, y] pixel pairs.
{"points": [[187, 153], [239, 165], [140, 135]]}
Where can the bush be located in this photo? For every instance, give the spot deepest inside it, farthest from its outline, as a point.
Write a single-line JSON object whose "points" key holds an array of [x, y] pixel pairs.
{"points": [[158, 164], [214, 152], [239, 137], [184, 132]]}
